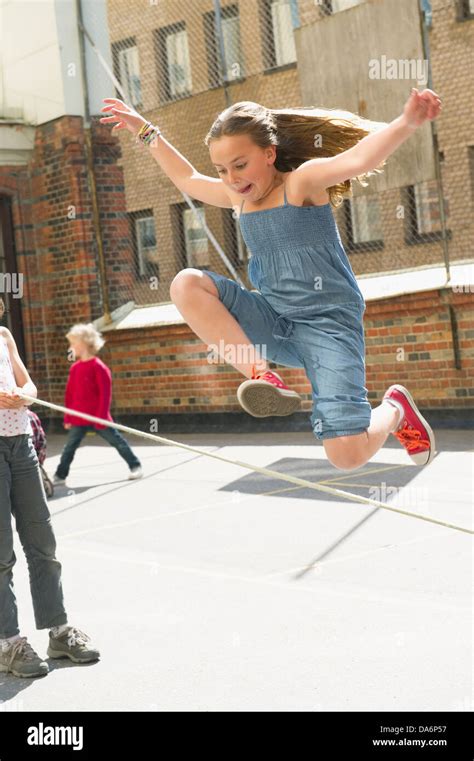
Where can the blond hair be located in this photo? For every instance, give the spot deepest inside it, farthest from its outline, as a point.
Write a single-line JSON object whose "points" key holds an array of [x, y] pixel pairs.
{"points": [[89, 334], [299, 134], [2, 308]]}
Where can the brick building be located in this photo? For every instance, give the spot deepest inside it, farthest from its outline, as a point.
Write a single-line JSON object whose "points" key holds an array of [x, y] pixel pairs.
{"points": [[98, 231]]}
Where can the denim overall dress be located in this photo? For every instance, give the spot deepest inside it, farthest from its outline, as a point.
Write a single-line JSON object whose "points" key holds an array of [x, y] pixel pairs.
{"points": [[307, 310]]}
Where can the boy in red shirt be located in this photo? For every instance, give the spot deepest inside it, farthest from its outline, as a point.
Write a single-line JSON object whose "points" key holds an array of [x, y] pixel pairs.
{"points": [[89, 390]]}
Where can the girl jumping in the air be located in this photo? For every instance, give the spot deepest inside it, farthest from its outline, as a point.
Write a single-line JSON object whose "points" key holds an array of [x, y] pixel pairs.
{"points": [[289, 167]]}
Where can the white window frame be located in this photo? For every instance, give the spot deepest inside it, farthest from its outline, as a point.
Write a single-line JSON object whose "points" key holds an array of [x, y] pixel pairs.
{"points": [[231, 39], [129, 74], [365, 229], [283, 34], [195, 258], [426, 196], [243, 254], [142, 258], [178, 63]]}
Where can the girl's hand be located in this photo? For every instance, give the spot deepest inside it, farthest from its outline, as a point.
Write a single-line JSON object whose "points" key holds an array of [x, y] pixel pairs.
{"points": [[125, 116], [9, 400], [421, 106], [67, 426]]}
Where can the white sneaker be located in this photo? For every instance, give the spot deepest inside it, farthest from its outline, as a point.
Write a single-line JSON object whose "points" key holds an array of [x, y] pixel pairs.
{"points": [[58, 481], [135, 473]]}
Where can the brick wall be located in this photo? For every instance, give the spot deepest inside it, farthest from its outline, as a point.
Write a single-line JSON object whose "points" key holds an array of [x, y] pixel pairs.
{"points": [[56, 244], [164, 371], [452, 52], [59, 256]]}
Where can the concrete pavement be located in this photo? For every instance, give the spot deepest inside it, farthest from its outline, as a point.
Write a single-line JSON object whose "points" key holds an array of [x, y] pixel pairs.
{"points": [[209, 588]]}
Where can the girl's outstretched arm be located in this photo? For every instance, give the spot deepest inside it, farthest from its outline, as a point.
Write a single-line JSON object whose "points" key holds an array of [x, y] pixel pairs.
{"points": [[372, 149], [209, 190]]}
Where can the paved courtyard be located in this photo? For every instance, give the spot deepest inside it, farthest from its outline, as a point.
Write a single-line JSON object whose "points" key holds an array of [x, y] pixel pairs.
{"points": [[208, 587]]}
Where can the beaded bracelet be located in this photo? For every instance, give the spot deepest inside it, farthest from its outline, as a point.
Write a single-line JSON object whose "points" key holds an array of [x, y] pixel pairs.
{"points": [[147, 133]]}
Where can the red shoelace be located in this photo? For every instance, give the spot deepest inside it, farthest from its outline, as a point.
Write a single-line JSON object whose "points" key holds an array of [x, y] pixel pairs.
{"points": [[273, 379], [411, 438]]}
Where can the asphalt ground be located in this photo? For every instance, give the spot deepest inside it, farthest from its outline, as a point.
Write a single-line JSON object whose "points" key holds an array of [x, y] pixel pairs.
{"points": [[208, 587]]}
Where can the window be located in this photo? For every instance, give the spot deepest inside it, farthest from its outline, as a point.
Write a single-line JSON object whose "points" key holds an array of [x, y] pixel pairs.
{"points": [[173, 62], [342, 5], [196, 241], [179, 69], [3, 271], [427, 212], [234, 244], [278, 19], [234, 65], [11, 285], [282, 25], [364, 228], [424, 219], [465, 10], [127, 70], [231, 37], [242, 250], [144, 237]]}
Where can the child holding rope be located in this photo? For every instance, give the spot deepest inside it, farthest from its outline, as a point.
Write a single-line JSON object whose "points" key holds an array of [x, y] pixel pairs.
{"points": [[290, 167], [22, 495]]}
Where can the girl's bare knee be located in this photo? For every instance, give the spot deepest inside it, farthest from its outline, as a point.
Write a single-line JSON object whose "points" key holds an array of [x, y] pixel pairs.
{"points": [[190, 279], [343, 452]]}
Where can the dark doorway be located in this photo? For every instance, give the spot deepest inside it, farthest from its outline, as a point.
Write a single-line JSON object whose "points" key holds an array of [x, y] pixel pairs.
{"points": [[10, 277]]}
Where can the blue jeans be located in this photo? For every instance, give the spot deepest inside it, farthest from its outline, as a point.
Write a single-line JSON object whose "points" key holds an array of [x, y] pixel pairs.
{"points": [[22, 495], [111, 435]]}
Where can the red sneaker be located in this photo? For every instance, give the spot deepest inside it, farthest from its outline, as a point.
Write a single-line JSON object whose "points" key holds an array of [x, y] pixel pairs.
{"points": [[265, 394], [413, 433]]}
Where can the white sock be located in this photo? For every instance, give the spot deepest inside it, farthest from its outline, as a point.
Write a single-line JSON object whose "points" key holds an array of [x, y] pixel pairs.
{"points": [[56, 631], [5, 643], [399, 407]]}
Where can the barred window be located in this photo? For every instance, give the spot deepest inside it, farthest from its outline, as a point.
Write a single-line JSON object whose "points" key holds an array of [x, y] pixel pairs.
{"points": [[423, 218], [282, 25], [127, 70], [234, 244], [146, 246], [428, 218], [234, 62], [465, 10], [278, 19], [231, 36], [173, 61], [179, 67], [195, 239], [364, 220]]}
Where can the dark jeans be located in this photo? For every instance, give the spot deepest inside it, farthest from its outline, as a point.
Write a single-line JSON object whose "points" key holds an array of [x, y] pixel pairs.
{"points": [[22, 495], [75, 436]]}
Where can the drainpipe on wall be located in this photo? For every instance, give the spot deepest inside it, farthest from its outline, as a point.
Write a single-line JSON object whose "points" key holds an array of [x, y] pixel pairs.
{"points": [[426, 17], [90, 172]]}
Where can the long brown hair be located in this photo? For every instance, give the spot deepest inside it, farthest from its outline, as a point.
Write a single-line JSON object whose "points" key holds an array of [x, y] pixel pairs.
{"points": [[299, 134]]}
